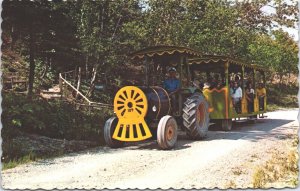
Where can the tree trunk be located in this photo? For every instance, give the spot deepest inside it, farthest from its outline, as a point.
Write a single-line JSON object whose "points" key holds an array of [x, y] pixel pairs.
{"points": [[31, 64], [92, 86], [78, 82], [13, 37], [86, 68], [47, 65]]}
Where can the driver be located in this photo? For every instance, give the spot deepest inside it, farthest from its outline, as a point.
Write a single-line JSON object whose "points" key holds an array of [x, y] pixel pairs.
{"points": [[172, 84]]}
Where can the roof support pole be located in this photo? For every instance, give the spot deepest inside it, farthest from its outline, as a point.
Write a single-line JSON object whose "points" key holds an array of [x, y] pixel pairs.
{"points": [[253, 79], [227, 87], [189, 76], [227, 74], [242, 84], [182, 61]]}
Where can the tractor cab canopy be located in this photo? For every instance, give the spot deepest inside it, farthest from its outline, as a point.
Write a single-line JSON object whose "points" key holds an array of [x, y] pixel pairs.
{"points": [[158, 59]]}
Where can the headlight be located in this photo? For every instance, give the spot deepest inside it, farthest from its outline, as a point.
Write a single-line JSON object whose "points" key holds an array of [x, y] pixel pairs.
{"points": [[154, 108]]}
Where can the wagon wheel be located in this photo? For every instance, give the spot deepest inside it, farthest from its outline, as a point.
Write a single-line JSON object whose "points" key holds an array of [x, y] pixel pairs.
{"points": [[253, 119], [226, 124], [196, 116], [167, 132], [109, 129]]}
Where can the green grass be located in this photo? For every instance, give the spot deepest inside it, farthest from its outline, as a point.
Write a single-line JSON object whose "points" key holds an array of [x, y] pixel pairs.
{"points": [[30, 157], [15, 162], [277, 169]]}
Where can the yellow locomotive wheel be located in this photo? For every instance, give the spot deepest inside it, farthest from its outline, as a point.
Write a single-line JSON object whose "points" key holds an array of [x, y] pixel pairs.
{"points": [[130, 102], [130, 106]]}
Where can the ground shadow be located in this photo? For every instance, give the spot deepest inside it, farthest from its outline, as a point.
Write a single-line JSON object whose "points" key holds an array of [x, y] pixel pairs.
{"points": [[249, 131], [153, 145], [240, 130]]}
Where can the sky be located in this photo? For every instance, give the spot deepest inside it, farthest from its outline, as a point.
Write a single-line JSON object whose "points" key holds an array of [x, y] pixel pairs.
{"points": [[292, 31]]}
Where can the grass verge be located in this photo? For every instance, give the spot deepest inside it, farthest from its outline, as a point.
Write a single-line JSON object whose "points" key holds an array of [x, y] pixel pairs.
{"points": [[278, 172]]}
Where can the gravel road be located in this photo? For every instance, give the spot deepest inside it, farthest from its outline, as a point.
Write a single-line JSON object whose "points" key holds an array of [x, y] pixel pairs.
{"points": [[222, 159]]}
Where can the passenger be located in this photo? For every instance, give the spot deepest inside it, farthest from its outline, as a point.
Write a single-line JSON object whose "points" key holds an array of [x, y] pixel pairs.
{"points": [[206, 85], [220, 85], [261, 93], [237, 79], [236, 95], [250, 97], [197, 86], [215, 81], [209, 81], [231, 84], [201, 86]]}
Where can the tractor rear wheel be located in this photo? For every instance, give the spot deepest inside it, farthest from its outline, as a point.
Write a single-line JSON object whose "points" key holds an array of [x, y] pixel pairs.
{"points": [[109, 128], [226, 124], [196, 116], [167, 132]]}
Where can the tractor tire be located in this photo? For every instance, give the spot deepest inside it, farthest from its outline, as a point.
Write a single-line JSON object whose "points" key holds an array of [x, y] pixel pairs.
{"points": [[196, 116], [226, 124], [109, 129], [167, 132]]}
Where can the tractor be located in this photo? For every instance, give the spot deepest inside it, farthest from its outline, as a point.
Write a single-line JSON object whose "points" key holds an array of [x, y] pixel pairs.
{"points": [[150, 111]]}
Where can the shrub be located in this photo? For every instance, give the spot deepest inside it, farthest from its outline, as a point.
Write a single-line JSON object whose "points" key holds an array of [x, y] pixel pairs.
{"points": [[57, 119]]}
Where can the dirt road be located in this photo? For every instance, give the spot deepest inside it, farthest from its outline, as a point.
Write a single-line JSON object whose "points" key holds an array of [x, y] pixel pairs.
{"points": [[221, 160]]}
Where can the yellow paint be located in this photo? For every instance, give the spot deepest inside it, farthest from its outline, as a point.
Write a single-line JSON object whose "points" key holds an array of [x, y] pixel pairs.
{"points": [[256, 106], [244, 105], [130, 106]]}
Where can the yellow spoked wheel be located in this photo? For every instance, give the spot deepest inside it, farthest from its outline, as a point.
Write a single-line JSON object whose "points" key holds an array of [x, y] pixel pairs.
{"points": [[130, 106]]}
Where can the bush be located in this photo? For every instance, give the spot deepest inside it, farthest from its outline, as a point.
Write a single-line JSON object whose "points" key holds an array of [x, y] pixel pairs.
{"points": [[56, 119], [282, 95]]}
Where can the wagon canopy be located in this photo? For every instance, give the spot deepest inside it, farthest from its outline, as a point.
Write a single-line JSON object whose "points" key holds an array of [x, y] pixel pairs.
{"points": [[212, 61], [164, 51]]}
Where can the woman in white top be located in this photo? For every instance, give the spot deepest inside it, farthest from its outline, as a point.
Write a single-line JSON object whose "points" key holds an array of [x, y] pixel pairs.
{"points": [[237, 94]]}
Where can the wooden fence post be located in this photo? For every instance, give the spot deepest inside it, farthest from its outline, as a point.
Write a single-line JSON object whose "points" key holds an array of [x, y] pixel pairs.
{"points": [[60, 85]]}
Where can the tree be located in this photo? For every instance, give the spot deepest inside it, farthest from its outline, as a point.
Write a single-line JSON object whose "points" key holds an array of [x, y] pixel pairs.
{"points": [[277, 52], [28, 19], [44, 31], [102, 34]]}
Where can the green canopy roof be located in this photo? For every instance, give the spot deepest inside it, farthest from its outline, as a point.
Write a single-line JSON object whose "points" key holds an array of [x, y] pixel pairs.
{"points": [[164, 50], [212, 59]]}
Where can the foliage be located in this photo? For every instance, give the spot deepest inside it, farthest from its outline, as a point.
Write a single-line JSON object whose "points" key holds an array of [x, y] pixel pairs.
{"points": [[279, 53], [54, 119], [100, 34], [282, 96], [21, 160], [44, 77]]}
